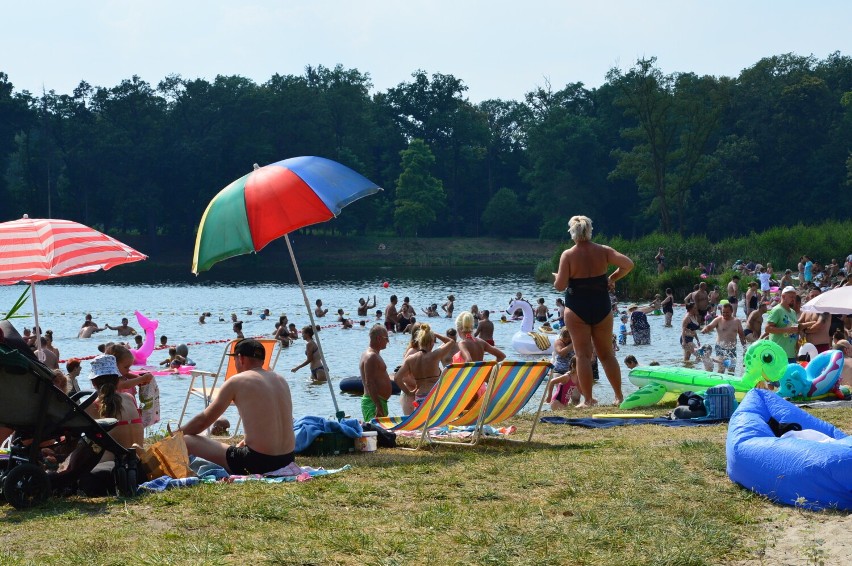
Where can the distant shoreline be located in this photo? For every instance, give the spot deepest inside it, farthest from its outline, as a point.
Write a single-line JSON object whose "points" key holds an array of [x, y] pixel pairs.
{"points": [[361, 252]]}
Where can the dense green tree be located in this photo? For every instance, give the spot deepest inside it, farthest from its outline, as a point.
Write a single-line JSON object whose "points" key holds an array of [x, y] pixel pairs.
{"points": [[644, 151], [675, 117], [503, 216], [419, 195]]}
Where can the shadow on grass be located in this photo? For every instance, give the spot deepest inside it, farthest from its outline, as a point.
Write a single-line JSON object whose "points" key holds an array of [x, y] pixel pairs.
{"points": [[59, 507]]}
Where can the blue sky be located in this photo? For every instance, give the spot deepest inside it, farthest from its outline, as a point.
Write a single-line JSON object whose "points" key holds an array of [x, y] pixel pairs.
{"points": [[499, 49]]}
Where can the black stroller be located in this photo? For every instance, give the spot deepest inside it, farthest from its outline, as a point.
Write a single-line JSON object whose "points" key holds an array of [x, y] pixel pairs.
{"points": [[38, 411]]}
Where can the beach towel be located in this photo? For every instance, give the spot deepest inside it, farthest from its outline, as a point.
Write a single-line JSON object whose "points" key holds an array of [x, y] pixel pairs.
{"points": [[459, 431], [309, 427], [609, 423], [290, 473]]}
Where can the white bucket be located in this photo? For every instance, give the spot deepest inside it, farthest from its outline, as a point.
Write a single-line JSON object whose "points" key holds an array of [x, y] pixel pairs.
{"points": [[368, 441]]}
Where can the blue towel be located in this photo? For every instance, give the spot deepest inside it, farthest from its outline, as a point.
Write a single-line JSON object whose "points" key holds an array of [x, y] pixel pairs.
{"points": [[309, 427], [609, 423], [163, 483]]}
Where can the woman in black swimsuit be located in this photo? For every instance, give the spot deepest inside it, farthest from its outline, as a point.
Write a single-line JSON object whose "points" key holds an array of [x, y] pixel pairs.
{"points": [[588, 314], [688, 337]]}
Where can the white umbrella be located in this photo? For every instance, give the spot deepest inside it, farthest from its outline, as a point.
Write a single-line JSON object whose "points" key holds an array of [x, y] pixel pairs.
{"points": [[835, 301], [35, 250]]}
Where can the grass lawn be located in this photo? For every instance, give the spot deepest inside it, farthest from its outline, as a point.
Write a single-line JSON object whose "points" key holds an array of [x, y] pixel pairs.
{"points": [[628, 495]]}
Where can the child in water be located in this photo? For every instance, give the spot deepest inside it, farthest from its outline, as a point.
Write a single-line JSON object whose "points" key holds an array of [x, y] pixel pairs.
{"points": [[622, 330]]}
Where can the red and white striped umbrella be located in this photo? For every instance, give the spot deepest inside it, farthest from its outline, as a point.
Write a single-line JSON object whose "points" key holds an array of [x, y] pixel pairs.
{"points": [[37, 249]]}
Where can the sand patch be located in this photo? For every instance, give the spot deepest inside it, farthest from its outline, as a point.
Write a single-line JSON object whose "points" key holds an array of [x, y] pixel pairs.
{"points": [[802, 537]]}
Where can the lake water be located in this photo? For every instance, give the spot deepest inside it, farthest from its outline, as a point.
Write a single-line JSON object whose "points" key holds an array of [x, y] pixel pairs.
{"points": [[177, 305]]}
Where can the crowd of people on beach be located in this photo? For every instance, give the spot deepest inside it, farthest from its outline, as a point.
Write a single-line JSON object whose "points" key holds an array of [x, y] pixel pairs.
{"points": [[584, 318]]}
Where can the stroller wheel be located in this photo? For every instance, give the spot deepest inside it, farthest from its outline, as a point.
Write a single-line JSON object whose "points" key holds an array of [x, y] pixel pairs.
{"points": [[127, 476], [26, 485]]}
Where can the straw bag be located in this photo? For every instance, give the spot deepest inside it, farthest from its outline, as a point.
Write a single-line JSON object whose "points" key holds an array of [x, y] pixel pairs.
{"points": [[167, 457]]}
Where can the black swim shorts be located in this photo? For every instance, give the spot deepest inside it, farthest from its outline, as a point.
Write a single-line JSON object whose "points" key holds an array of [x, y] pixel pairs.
{"points": [[244, 460]]}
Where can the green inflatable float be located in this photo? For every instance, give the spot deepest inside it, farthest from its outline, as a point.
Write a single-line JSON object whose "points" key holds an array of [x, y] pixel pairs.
{"points": [[764, 361]]}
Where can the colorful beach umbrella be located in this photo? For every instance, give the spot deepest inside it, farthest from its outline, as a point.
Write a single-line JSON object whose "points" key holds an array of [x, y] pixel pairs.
{"points": [[34, 250], [270, 202]]}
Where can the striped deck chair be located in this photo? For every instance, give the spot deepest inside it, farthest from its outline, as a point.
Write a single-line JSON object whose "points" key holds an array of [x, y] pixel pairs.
{"points": [[512, 387], [451, 395]]}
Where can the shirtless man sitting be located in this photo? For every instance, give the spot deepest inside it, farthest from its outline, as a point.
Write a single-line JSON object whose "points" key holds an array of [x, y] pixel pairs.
{"points": [[124, 329], [263, 399], [374, 376], [728, 329], [485, 330]]}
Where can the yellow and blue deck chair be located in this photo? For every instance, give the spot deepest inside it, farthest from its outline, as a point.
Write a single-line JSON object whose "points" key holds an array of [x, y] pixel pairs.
{"points": [[451, 396], [512, 387]]}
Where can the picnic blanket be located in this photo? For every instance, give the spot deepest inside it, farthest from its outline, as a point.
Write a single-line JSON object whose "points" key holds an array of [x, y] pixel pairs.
{"points": [[609, 423]]}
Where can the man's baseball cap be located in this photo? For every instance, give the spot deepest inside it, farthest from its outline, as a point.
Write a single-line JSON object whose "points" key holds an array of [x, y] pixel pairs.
{"points": [[250, 349], [788, 289]]}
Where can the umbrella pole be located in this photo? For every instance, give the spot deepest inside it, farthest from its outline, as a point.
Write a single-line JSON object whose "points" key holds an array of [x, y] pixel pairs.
{"points": [[337, 412], [39, 354]]}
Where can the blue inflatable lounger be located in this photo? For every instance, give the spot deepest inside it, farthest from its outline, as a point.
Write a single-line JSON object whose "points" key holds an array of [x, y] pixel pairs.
{"points": [[804, 461]]}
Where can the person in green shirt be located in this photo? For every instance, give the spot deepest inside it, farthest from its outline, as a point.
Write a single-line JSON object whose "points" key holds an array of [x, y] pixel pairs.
{"points": [[781, 323]]}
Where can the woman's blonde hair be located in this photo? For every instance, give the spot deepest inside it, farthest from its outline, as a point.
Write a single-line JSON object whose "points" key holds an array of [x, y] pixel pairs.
{"points": [[580, 228], [565, 334], [424, 336], [464, 323]]}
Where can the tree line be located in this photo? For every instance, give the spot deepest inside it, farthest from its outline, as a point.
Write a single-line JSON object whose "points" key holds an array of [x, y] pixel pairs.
{"points": [[645, 152]]}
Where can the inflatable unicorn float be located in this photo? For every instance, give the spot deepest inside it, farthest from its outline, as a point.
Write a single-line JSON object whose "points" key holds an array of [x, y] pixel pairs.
{"points": [[764, 361], [526, 340]]}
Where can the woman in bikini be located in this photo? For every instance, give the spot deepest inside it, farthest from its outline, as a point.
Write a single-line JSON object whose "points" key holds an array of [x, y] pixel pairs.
{"points": [[588, 313], [406, 399], [688, 337], [471, 348], [421, 369], [312, 357]]}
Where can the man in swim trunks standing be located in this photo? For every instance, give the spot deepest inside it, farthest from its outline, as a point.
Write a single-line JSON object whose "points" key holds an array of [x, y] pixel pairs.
{"points": [[391, 315], [728, 329], [374, 376], [263, 399], [754, 324], [702, 301], [485, 330], [733, 292], [124, 329]]}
